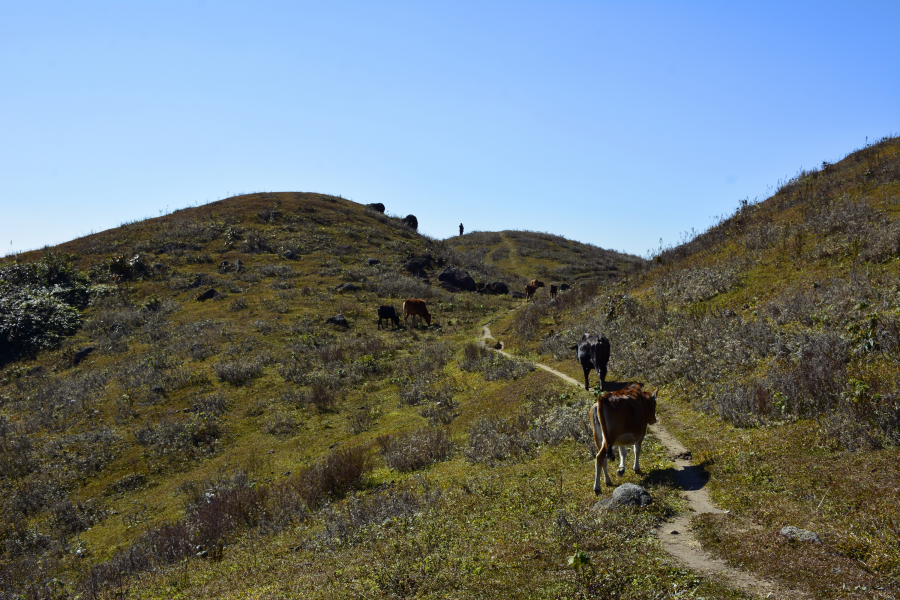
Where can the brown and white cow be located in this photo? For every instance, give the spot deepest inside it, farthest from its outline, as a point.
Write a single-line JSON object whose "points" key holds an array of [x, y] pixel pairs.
{"points": [[621, 419], [529, 292], [416, 308]]}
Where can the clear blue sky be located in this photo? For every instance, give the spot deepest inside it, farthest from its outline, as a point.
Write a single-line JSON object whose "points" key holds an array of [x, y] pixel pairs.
{"points": [[613, 123]]}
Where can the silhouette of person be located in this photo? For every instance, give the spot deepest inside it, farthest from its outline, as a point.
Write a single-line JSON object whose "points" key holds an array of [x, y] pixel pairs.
{"points": [[460, 229]]}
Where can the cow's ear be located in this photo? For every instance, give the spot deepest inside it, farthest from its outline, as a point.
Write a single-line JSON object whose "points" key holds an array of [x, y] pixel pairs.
{"points": [[585, 336], [654, 393]]}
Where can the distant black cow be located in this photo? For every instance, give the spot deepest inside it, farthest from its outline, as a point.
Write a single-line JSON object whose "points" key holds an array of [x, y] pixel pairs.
{"points": [[593, 352], [388, 313], [553, 290]]}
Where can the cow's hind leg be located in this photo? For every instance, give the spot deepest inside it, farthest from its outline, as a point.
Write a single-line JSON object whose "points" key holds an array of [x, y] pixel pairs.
{"points": [[637, 458], [587, 378], [623, 452], [600, 465]]}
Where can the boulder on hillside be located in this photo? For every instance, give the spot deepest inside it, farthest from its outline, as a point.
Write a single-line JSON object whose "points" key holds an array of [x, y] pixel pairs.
{"points": [[373, 262], [81, 355], [411, 221], [290, 255], [376, 206], [564, 286], [627, 494], [448, 286], [207, 295], [800, 535], [458, 278], [517, 295], [339, 320], [496, 287], [347, 287], [418, 264]]}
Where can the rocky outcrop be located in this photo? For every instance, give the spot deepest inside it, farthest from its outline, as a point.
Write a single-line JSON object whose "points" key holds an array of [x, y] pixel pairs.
{"points": [[376, 206], [458, 278], [338, 320]]}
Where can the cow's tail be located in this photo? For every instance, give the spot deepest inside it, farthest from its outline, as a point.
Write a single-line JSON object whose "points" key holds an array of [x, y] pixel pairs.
{"points": [[597, 418]]}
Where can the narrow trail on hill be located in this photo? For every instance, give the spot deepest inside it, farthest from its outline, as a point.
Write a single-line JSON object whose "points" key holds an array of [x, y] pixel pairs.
{"points": [[676, 536]]}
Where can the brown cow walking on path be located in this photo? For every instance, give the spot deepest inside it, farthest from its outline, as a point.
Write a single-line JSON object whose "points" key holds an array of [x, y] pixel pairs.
{"points": [[621, 419], [416, 308]]}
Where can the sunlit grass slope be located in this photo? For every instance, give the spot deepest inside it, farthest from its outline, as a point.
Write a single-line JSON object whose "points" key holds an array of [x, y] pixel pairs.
{"points": [[776, 336], [545, 256], [178, 419]]}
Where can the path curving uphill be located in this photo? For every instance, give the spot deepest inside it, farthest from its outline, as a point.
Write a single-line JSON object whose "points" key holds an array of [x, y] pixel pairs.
{"points": [[676, 536]]}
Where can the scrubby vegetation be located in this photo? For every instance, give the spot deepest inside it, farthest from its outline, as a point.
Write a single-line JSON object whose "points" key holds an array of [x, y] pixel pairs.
{"points": [[781, 320]]}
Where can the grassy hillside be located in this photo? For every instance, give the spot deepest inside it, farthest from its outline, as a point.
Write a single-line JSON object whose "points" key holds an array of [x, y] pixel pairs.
{"points": [[545, 256], [163, 440], [776, 336]]}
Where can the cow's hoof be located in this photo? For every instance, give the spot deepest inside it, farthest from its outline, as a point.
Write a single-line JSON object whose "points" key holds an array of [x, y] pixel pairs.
{"points": [[620, 472], [638, 472]]}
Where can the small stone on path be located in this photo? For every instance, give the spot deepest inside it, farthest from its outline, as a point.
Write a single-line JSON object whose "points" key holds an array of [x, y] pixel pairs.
{"points": [[800, 535]]}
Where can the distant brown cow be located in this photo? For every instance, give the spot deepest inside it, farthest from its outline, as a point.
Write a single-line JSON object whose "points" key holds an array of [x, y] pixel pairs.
{"points": [[529, 292], [621, 419], [537, 283], [553, 290], [416, 308]]}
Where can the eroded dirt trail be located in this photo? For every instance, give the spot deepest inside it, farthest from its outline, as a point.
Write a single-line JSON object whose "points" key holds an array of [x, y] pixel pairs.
{"points": [[676, 536]]}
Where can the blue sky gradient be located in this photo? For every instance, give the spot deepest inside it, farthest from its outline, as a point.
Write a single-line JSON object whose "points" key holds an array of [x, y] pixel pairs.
{"points": [[612, 123]]}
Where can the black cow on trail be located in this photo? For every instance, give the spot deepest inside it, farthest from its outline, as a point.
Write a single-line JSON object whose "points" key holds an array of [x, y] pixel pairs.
{"points": [[593, 353], [388, 313]]}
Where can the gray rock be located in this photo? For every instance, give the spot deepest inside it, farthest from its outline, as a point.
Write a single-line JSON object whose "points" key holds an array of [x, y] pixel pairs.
{"points": [[238, 265], [800, 535], [373, 262], [627, 494], [290, 254], [337, 320], [458, 278], [448, 286], [347, 287], [515, 294]]}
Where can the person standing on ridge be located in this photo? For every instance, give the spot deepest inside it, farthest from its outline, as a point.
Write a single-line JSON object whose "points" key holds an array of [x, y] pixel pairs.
{"points": [[460, 229]]}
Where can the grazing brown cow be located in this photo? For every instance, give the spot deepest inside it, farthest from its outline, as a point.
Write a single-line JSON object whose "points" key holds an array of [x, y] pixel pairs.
{"points": [[553, 290], [621, 419], [529, 292], [537, 283], [416, 308]]}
